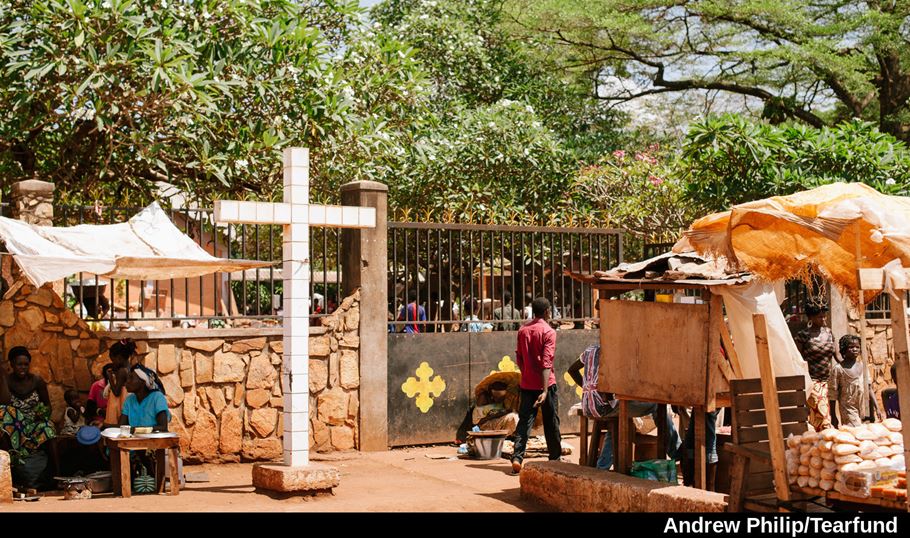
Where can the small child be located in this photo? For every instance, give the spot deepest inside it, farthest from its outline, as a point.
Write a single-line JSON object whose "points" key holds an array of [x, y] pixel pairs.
{"points": [[846, 383], [74, 418]]}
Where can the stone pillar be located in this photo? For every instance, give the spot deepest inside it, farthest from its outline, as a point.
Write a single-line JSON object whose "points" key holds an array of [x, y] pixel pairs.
{"points": [[364, 265], [33, 202]]}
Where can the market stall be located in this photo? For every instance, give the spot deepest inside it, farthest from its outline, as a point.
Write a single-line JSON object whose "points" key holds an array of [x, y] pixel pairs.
{"points": [[859, 240]]}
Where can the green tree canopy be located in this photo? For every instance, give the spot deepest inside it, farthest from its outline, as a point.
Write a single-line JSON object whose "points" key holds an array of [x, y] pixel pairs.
{"points": [[105, 98], [821, 62], [729, 160]]}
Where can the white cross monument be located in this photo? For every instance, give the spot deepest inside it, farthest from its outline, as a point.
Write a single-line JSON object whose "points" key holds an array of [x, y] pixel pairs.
{"points": [[296, 214]]}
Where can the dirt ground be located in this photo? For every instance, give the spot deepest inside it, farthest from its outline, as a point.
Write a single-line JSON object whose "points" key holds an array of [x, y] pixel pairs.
{"points": [[418, 479]]}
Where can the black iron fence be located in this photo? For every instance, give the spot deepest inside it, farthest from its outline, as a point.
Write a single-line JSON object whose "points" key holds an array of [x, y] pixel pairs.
{"points": [[254, 294], [449, 277]]}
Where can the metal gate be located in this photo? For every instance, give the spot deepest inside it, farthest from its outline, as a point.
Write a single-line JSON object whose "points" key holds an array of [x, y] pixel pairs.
{"points": [[440, 370]]}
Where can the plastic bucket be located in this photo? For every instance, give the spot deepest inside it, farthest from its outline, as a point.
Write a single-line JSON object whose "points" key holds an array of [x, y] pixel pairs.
{"points": [[488, 448]]}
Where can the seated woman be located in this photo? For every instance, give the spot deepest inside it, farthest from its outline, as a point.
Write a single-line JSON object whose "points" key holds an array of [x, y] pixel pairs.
{"points": [[146, 405], [25, 416]]}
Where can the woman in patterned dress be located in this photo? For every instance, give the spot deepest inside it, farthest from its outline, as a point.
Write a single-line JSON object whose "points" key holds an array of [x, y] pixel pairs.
{"points": [[816, 345], [25, 423]]}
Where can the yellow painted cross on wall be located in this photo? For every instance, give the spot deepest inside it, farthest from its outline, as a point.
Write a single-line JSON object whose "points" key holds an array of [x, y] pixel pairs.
{"points": [[425, 386]]}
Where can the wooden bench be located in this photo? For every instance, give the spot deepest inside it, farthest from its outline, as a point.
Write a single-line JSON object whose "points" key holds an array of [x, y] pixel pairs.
{"points": [[752, 475]]}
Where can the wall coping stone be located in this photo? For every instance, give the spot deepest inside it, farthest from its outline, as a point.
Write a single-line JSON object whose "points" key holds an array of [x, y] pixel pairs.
{"points": [[187, 334], [32, 186]]}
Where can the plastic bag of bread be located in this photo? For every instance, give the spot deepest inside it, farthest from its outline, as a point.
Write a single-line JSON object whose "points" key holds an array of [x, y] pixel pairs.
{"points": [[892, 424], [793, 468], [883, 440], [815, 463], [825, 446], [857, 484], [814, 473], [791, 479], [896, 438], [863, 434], [802, 470], [829, 434], [813, 482], [827, 474], [885, 451], [810, 438], [867, 447], [828, 456], [883, 462], [897, 461], [865, 464], [802, 481], [849, 458], [846, 437], [847, 467], [878, 429], [829, 464], [793, 440], [804, 459], [844, 449], [826, 485]]}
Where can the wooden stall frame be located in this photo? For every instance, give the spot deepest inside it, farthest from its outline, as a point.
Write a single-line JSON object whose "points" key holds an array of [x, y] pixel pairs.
{"points": [[720, 369], [874, 280]]}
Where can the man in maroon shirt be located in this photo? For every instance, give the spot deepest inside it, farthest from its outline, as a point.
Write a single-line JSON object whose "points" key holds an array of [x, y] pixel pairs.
{"points": [[536, 347]]}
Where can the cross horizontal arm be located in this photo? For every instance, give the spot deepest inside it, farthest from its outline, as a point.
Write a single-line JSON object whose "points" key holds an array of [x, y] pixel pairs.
{"points": [[330, 216]]}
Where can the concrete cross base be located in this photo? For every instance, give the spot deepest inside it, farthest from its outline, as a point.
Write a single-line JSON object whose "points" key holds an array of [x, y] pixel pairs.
{"points": [[312, 478], [6, 479]]}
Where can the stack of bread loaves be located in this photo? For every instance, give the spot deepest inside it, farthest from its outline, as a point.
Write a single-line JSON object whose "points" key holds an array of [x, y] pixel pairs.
{"points": [[823, 459]]}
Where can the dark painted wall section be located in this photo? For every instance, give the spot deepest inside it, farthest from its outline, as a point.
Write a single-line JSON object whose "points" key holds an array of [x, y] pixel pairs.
{"points": [[462, 360]]}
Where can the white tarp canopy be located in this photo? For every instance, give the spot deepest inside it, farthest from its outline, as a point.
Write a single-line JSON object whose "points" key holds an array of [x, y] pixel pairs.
{"points": [[146, 247]]}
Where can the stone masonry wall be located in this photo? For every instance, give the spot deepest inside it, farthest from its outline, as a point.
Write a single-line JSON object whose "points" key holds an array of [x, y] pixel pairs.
{"points": [[63, 348], [223, 386], [880, 349]]}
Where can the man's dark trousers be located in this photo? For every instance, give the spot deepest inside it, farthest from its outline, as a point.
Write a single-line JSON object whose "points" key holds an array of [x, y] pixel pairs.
{"points": [[526, 415]]}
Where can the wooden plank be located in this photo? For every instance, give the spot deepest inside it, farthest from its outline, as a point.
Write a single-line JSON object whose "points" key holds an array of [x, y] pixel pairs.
{"points": [[772, 409], [644, 339], [759, 483], [752, 435], [126, 484], [870, 279], [737, 484], [716, 382], [732, 356], [175, 470], [902, 366], [754, 386], [623, 461], [758, 417], [700, 479], [726, 370], [784, 399], [582, 439]]}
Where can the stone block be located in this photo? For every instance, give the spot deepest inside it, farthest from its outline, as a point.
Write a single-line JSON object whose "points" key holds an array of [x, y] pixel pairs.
{"points": [[205, 435], [228, 368], [334, 370], [262, 449], [332, 407], [189, 406], [205, 368], [58, 403], [50, 317], [320, 346], [204, 345], [33, 318], [69, 318], [172, 389], [342, 437], [231, 441], [319, 375], [275, 359], [320, 435], [314, 478], [349, 369], [72, 333], [6, 479], [167, 358], [43, 297], [245, 346], [353, 405], [257, 398], [573, 488], [262, 374], [277, 402], [263, 421], [277, 346], [150, 360], [216, 400], [351, 339]]}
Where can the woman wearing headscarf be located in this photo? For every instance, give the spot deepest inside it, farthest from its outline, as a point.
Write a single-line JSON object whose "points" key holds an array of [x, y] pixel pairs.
{"points": [[25, 418], [816, 345], [146, 406]]}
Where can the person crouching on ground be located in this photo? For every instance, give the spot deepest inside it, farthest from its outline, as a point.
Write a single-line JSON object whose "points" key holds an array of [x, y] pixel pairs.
{"points": [[535, 351], [492, 413]]}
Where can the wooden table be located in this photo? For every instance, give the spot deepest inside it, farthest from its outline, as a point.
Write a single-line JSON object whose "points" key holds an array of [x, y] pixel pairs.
{"points": [[120, 461], [589, 450], [834, 497]]}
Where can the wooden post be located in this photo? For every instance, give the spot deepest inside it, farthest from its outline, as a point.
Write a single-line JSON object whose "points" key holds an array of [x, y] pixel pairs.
{"points": [[902, 364], [772, 408], [623, 459], [700, 480], [662, 432], [864, 405], [583, 438]]}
